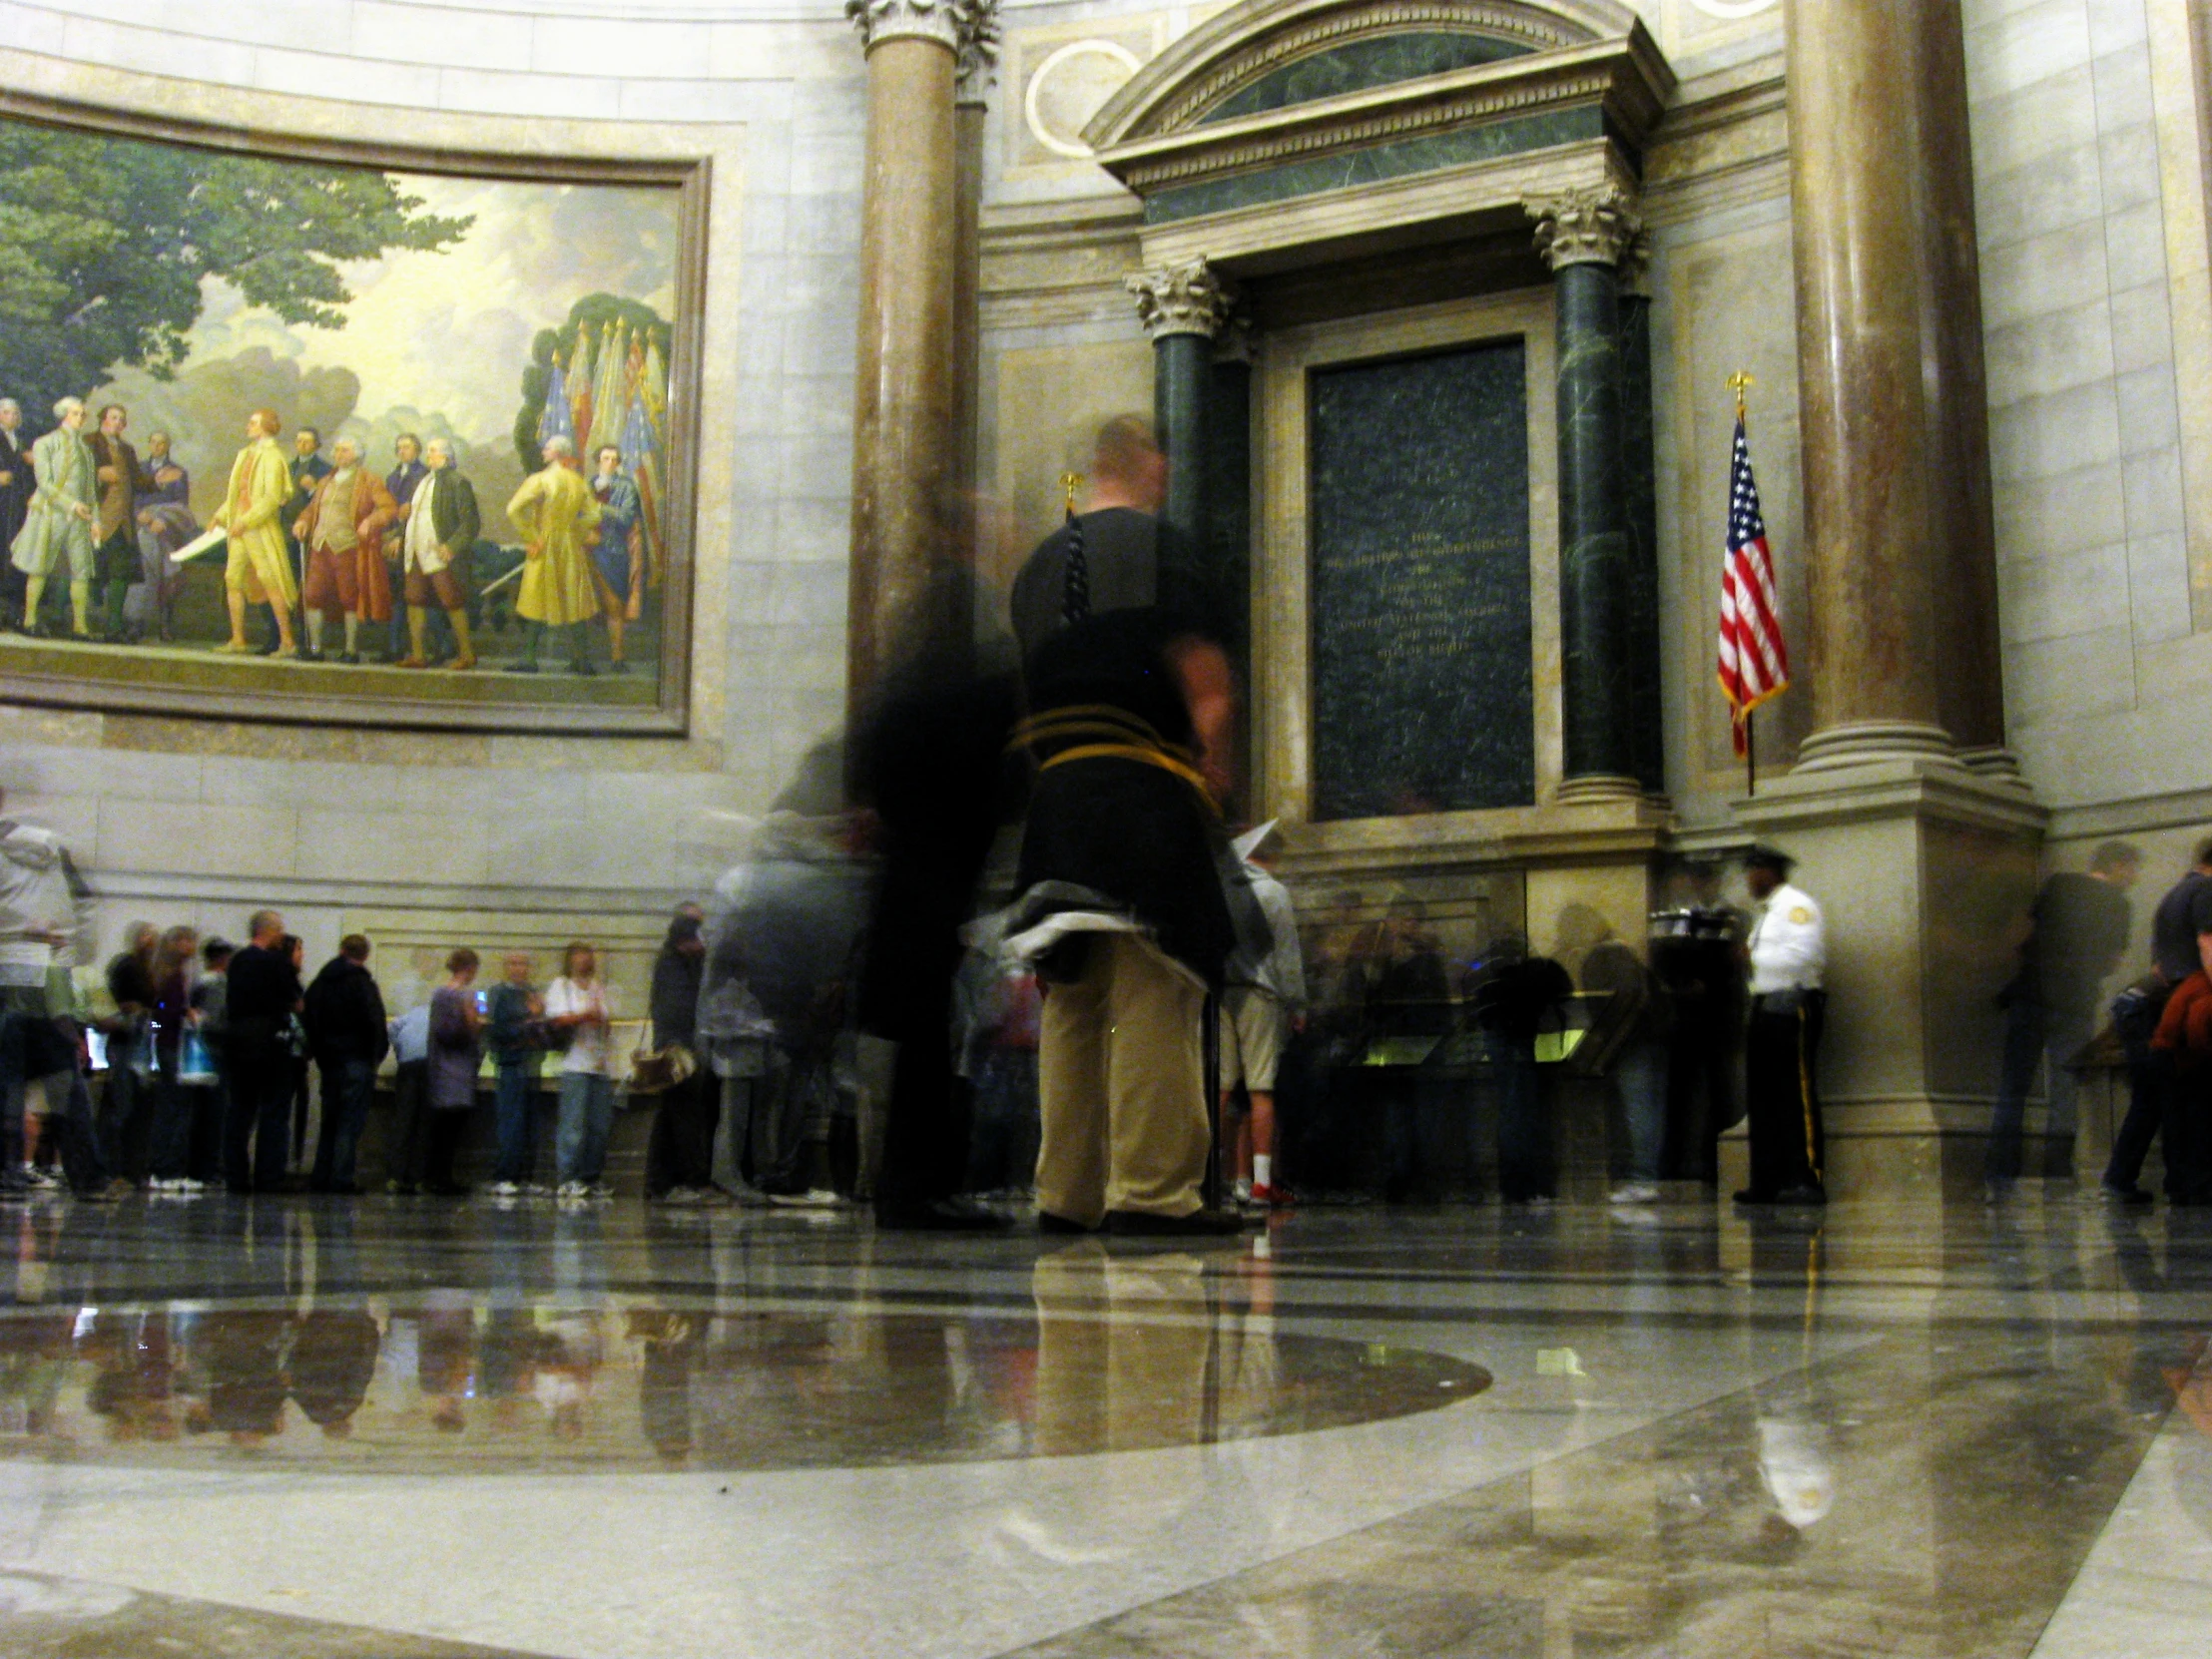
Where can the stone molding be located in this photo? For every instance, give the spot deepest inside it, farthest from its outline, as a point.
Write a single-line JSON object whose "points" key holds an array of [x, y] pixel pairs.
{"points": [[978, 49], [943, 21], [1598, 226], [1635, 266], [1237, 340], [1186, 298]]}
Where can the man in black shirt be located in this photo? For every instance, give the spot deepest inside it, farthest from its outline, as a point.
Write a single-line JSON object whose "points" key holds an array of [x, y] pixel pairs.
{"points": [[262, 995], [348, 1038], [2078, 929]]}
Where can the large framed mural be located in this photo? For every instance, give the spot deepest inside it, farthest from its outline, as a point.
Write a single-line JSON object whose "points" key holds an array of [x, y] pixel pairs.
{"points": [[306, 432]]}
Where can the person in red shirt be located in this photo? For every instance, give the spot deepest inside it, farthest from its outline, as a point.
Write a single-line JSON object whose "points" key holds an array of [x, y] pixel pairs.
{"points": [[2184, 1037]]}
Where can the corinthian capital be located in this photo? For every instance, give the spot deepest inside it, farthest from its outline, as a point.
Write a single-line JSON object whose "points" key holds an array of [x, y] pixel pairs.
{"points": [[979, 51], [1180, 300], [881, 20], [1595, 226]]}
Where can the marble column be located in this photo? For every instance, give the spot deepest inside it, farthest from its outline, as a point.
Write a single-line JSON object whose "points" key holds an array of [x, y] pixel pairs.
{"points": [[978, 57], [1182, 307], [1969, 692], [1640, 482], [1871, 648], [1582, 237], [903, 438], [1229, 483]]}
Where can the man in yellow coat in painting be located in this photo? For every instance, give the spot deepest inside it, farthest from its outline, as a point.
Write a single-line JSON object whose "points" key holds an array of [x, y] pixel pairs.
{"points": [[259, 569], [558, 516]]}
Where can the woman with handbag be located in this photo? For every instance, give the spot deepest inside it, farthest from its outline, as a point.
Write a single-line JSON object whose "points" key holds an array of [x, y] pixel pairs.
{"points": [[678, 1160], [456, 1055], [171, 1151], [576, 1011]]}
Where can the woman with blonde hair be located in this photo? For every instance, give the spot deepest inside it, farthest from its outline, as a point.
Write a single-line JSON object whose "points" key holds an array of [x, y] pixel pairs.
{"points": [[576, 1009]]}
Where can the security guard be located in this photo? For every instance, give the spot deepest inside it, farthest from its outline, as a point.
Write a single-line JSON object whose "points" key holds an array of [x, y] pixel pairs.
{"points": [[1788, 952]]}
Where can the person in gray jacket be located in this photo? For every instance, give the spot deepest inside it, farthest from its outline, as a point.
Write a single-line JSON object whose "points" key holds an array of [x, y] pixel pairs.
{"points": [[1265, 996]]}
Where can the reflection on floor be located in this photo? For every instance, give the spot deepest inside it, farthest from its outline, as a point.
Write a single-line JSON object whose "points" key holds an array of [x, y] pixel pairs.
{"points": [[413, 1429]]}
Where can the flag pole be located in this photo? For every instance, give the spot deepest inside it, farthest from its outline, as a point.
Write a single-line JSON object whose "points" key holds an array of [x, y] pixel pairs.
{"points": [[1741, 382]]}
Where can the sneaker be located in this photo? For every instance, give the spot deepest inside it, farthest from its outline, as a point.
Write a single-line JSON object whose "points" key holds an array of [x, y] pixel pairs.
{"points": [[1241, 1189], [573, 1190], [186, 1183], [503, 1188], [599, 1189], [815, 1198], [161, 1184], [678, 1198], [2114, 1193], [37, 1177], [1274, 1196], [1635, 1192]]}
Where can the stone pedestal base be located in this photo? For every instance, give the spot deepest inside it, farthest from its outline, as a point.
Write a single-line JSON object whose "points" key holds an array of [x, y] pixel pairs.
{"points": [[1924, 871]]}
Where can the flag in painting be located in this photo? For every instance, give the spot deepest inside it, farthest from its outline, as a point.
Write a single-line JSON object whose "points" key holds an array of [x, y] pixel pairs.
{"points": [[554, 421], [1754, 661]]}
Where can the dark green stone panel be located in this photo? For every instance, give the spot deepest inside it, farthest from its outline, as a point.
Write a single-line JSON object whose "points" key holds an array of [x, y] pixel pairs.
{"points": [[1419, 598], [1288, 180], [1362, 64], [1595, 553]]}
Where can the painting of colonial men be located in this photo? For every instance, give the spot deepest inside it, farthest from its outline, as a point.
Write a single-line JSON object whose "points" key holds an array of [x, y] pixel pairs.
{"points": [[423, 431]]}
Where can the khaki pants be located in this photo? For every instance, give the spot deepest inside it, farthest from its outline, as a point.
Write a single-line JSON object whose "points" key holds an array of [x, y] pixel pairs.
{"points": [[1121, 1087]]}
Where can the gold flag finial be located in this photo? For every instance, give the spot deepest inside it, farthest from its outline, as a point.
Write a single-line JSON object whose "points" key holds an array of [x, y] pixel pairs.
{"points": [[1739, 384], [1069, 484]]}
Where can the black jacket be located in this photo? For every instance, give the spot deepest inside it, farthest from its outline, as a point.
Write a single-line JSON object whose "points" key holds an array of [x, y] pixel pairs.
{"points": [[346, 1015]]}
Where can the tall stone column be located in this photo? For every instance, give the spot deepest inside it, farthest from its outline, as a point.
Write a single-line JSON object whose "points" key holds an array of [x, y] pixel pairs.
{"points": [[1582, 237], [1640, 481], [1182, 307], [902, 438], [978, 57], [1861, 411]]}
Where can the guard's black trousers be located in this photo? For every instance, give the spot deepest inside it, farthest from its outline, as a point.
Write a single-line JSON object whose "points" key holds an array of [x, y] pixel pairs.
{"points": [[1788, 1148]]}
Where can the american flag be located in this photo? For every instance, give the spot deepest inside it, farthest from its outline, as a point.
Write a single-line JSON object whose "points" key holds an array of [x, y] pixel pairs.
{"points": [[1754, 663]]}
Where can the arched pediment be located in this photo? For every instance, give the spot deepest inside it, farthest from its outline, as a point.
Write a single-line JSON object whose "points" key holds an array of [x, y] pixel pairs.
{"points": [[1270, 55]]}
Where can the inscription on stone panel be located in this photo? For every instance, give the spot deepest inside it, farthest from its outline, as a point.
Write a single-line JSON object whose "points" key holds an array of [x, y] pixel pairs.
{"points": [[1417, 515]]}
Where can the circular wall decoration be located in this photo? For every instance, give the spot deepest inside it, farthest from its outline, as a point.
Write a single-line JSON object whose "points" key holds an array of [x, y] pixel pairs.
{"points": [[1069, 87], [1734, 8]]}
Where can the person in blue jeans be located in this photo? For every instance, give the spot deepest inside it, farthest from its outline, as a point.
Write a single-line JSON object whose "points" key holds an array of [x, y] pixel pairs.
{"points": [[516, 1028], [576, 1011]]}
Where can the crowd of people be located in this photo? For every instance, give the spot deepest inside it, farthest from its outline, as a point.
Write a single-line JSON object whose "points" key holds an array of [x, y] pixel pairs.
{"points": [[1125, 1023], [325, 558]]}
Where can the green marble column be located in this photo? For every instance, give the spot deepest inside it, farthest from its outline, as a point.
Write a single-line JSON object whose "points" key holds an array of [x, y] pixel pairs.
{"points": [[1640, 484], [1583, 237], [1182, 307]]}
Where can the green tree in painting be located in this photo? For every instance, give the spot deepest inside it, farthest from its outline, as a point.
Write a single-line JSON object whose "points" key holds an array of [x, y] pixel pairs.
{"points": [[105, 242]]}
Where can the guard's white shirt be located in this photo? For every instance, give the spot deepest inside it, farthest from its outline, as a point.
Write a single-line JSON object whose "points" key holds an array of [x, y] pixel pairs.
{"points": [[1788, 943]]}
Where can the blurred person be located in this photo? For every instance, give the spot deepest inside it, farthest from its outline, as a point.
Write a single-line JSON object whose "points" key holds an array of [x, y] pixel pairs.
{"points": [[58, 521], [165, 523], [258, 570], [1695, 951], [456, 1056], [577, 1011], [347, 1037], [2180, 945], [129, 1095], [261, 999], [561, 589], [2077, 931], [2183, 1041], [408, 1153], [1266, 997], [1004, 1013], [679, 1159], [115, 567], [169, 1154], [1409, 1006], [209, 1004], [514, 1029], [295, 1042], [1513, 993], [332, 1362], [342, 529], [38, 920], [617, 548], [1627, 1042], [930, 764], [1788, 957], [442, 524]]}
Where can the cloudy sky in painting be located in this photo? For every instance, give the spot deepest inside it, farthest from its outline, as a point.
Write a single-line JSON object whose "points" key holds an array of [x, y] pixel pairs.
{"points": [[450, 331]]}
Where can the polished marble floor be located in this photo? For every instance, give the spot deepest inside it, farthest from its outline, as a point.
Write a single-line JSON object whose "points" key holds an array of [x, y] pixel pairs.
{"points": [[414, 1428]]}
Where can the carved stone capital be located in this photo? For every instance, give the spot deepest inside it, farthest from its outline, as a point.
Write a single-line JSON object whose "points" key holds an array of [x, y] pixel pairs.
{"points": [[881, 20], [1595, 226], [1237, 342], [978, 49], [1180, 300], [1636, 265]]}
